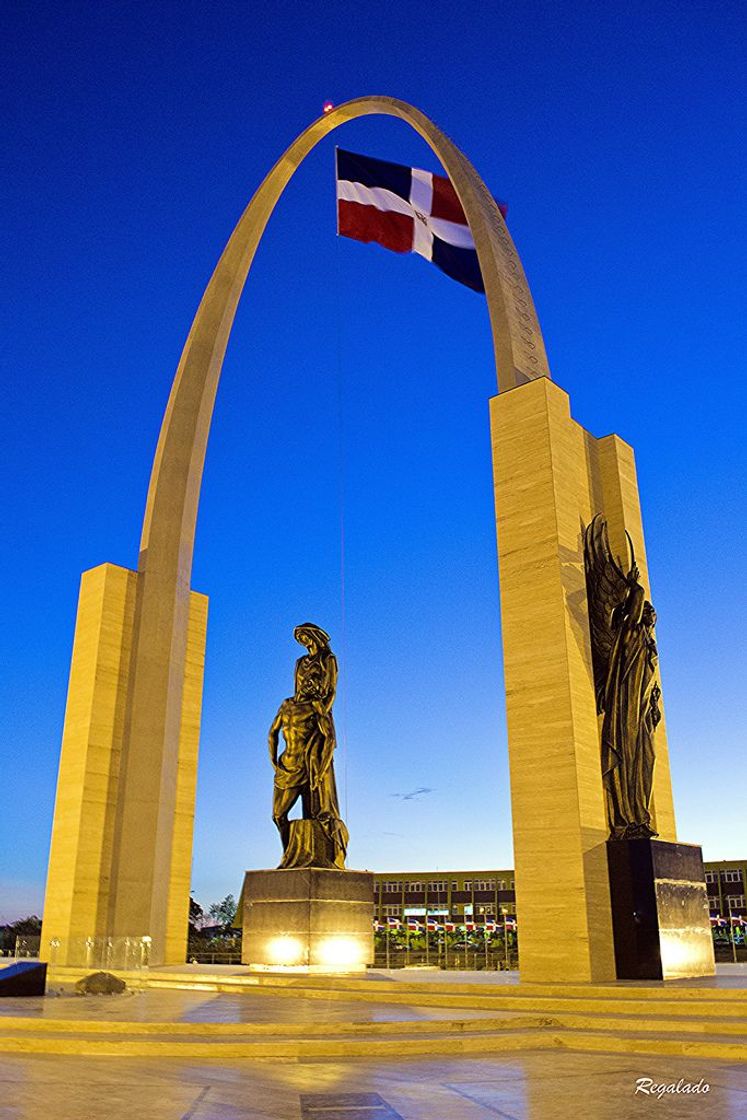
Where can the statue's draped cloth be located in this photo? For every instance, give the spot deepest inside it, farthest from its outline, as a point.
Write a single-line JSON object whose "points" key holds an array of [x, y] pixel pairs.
{"points": [[630, 717]]}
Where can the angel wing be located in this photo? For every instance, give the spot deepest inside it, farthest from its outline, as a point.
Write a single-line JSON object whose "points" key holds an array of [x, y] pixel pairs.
{"points": [[607, 587]]}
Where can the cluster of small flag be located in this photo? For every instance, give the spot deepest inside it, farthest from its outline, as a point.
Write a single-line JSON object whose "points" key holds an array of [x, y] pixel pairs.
{"points": [[735, 921], [432, 925]]}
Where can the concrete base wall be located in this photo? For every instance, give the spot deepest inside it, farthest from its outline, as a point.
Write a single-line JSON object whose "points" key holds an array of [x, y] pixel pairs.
{"points": [[308, 919], [79, 900]]}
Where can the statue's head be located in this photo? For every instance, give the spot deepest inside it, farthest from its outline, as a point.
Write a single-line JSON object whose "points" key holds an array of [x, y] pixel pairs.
{"points": [[310, 636], [649, 614]]}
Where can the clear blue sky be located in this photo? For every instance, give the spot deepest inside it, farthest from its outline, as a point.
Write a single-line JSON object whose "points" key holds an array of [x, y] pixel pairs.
{"points": [[357, 381]]}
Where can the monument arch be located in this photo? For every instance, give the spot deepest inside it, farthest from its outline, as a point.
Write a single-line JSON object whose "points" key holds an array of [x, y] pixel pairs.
{"points": [[122, 837]]}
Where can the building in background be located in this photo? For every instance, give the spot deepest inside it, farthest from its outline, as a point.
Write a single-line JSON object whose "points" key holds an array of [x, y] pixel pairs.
{"points": [[453, 895], [484, 895], [725, 883]]}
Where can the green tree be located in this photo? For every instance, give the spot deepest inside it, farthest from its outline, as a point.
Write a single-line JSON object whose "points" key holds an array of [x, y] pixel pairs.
{"points": [[223, 913], [24, 927]]}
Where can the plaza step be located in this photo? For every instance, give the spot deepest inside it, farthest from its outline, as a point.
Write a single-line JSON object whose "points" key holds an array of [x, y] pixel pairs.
{"points": [[360, 1040], [705, 1021], [633, 1000]]}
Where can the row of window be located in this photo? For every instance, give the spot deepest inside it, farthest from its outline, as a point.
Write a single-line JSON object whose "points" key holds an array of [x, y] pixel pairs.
{"points": [[733, 901], [457, 912], [392, 886], [730, 876]]}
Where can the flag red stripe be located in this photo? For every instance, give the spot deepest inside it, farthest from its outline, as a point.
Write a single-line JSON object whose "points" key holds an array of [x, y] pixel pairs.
{"points": [[445, 202], [366, 223]]}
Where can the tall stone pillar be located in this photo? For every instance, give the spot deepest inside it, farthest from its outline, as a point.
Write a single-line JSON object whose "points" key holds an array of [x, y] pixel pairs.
{"points": [[551, 476], [81, 891]]}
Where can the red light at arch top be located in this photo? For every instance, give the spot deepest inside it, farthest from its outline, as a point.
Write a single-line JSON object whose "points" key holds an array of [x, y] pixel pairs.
{"points": [[327, 107]]}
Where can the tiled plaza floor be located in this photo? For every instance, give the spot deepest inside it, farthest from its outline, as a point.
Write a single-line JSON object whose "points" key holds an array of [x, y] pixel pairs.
{"points": [[527, 1086], [208, 1007]]}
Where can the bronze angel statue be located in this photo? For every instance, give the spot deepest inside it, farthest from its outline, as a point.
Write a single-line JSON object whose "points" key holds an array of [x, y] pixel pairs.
{"points": [[627, 693]]}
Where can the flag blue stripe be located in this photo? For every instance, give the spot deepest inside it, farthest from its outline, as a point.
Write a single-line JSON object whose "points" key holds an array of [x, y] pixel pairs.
{"points": [[460, 264], [374, 173]]}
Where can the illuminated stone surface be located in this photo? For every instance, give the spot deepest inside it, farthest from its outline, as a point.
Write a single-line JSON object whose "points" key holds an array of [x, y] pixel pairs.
{"points": [[308, 918], [550, 477], [524, 1086], [90, 790], [660, 912]]}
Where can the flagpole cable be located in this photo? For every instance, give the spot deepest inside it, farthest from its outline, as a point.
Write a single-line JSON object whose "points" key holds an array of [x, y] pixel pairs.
{"points": [[341, 475]]}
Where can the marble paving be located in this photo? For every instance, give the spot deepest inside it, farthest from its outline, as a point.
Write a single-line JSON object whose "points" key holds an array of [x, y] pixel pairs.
{"points": [[154, 1005], [525, 1086]]}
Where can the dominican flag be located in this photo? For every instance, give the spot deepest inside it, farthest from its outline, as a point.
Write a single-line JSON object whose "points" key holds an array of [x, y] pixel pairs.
{"points": [[470, 927], [406, 210], [490, 926], [450, 927], [393, 923], [413, 924], [432, 925], [510, 924]]}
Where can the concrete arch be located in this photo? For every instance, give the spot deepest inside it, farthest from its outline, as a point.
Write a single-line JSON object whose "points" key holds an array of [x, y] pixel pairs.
{"points": [[154, 705], [517, 338], [121, 851]]}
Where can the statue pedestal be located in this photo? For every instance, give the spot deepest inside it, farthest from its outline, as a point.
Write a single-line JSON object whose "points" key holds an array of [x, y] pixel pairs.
{"points": [[308, 920], [660, 918]]}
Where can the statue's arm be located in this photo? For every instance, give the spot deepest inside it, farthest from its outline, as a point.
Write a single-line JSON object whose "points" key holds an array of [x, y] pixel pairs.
{"points": [[273, 736], [636, 602]]}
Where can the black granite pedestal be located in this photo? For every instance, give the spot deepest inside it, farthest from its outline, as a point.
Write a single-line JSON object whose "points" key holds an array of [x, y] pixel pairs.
{"points": [[660, 917], [308, 919]]}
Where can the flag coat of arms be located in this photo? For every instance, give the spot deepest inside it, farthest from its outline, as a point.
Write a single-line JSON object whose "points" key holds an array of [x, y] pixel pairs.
{"points": [[407, 210]]}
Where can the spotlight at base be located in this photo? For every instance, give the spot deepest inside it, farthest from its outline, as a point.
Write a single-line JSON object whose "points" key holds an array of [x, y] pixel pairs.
{"points": [[327, 107], [284, 950], [340, 952]]}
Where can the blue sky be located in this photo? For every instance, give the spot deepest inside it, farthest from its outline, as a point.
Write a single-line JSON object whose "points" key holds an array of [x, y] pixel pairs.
{"points": [[356, 385]]}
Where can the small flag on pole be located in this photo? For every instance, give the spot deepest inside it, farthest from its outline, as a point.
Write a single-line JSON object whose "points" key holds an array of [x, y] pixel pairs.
{"points": [[450, 927], [393, 923], [432, 925], [407, 210], [413, 924]]}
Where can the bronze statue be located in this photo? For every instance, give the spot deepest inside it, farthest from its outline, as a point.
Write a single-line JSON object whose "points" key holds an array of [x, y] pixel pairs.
{"points": [[627, 693], [305, 768]]}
